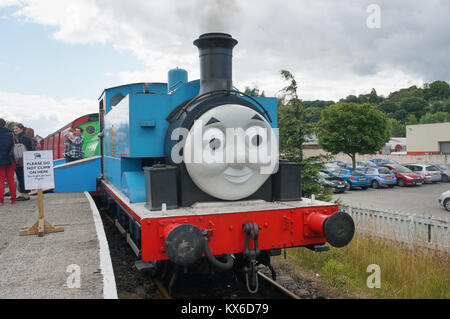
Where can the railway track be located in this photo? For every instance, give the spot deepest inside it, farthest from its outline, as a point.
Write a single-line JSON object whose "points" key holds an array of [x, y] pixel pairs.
{"points": [[284, 288]]}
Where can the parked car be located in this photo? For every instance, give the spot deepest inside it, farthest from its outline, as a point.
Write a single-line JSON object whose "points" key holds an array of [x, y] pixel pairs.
{"points": [[382, 161], [331, 181], [338, 163], [404, 175], [445, 171], [444, 200], [354, 177], [328, 167], [429, 173], [380, 176], [359, 164]]}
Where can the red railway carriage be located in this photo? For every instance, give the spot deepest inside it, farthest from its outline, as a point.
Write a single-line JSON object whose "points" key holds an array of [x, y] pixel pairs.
{"points": [[55, 141]]}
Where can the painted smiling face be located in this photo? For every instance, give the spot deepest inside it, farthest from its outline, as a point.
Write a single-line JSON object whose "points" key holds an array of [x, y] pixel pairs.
{"points": [[230, 151]]}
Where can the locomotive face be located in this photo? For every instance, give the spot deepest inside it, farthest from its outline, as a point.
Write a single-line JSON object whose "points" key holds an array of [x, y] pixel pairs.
{"points": [[230, 152]]}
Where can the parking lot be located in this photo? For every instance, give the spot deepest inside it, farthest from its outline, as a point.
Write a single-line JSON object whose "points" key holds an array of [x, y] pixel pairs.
{"points": [[420, 200]]}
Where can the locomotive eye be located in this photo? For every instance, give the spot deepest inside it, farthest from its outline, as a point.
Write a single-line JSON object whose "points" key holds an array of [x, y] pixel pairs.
{"points": [[257, 140], [256, 135], [213, 138], [214, 143]]}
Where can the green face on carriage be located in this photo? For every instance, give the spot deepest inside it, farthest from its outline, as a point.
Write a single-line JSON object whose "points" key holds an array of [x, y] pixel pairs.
{"points": [[91, 146]]}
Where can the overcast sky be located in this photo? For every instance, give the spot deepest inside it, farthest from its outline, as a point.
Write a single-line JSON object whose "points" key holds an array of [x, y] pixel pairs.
{"points": [[56, 57]]}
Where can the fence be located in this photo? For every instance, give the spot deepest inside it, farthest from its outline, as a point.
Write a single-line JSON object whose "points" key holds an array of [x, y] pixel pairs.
{"points": [[409, 229]]}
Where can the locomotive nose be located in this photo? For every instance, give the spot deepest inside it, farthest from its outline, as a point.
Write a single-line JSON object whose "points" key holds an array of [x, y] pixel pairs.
{"points": [[338, 228]]}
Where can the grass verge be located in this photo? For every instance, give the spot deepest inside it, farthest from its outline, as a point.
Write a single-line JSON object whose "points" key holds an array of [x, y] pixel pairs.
{"points": [[405, 272]]}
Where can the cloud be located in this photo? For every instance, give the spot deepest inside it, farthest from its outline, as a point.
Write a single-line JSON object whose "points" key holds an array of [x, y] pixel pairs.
{"points": [[9, 3], [44, 114], [324, 43]]}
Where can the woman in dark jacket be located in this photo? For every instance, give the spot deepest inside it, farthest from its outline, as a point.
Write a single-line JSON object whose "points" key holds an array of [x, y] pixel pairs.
{"points": [[7, 164], [21, 137]]}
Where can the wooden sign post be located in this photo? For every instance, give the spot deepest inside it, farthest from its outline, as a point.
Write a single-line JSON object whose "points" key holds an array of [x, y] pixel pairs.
{"points": [[38, 174], [42, 226]]}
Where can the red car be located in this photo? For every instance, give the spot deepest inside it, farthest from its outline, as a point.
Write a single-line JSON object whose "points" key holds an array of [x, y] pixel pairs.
{"points": [[404, 175]]}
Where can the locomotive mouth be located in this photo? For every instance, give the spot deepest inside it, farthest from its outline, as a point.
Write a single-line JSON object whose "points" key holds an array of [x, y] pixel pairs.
{"points": [[238, 175]]}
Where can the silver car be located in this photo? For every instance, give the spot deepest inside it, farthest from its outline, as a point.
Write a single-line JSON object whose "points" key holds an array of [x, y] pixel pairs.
{"points": [[445, 171], [430, 173], [444, 200]]}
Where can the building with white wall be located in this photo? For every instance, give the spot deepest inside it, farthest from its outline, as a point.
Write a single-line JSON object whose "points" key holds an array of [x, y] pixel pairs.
{"points": [[428, 139]]}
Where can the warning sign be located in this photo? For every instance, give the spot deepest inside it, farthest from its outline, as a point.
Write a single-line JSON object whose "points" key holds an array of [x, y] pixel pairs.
{"points": [[38, 170]]}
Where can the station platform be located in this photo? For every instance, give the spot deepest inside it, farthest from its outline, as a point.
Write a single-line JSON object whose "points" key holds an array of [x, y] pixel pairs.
{"points": [[74, 264]]}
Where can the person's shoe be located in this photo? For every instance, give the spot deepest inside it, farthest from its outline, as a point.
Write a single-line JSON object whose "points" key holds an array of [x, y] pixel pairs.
{"points": [[7, 194], [21, 199]]}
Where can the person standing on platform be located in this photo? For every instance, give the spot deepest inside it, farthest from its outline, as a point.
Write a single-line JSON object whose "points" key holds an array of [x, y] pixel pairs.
{"points": [[30, 133], [76, 149], [7, 163], [68, 143], [21, 138]]}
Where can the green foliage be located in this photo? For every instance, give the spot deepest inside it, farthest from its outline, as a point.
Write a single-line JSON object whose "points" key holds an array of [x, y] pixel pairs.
{"points": [[411, 119], [440, 106], [353, 128], [310, 171], [438, 90], [439, 117], [397, 128], [414, 105], [388, 107], [293, 128], [405, 273], [403, 107], [254, 92], [399, 95]]}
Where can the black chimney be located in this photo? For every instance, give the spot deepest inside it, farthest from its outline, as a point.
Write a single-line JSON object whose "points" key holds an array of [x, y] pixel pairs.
{"points": [[216, 54]]}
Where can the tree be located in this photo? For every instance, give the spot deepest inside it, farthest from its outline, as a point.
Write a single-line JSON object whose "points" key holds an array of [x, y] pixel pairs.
{"points": [[411, 119], [397, 128], [313, 114], [440, 106], [350, 99], [438, 90], [353, 128], [254, 92], [292, 117], [388, 107], [414, 105], [292, 131], [439, 117]]}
